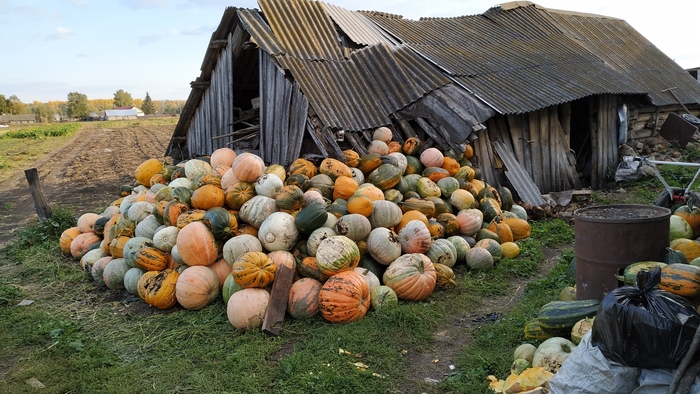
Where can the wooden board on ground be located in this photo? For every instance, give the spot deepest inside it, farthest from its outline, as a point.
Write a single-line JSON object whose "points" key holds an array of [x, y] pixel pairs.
{"points": [[279, 296]]}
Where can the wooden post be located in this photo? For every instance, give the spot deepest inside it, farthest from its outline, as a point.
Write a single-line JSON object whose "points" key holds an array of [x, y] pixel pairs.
{"points": [[277, 306], [42, 208]]}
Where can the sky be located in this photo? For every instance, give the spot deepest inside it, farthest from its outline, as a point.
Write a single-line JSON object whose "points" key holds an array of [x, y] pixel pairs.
{"points": [[49, 48]]}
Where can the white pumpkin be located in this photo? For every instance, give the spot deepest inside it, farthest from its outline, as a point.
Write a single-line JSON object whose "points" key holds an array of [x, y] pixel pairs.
{"points": [[357, 175], [383, 245], [268, 185], [278, 231], [196, 168], [181, 182], [257, 209], [316, 237], [240, 244], [401, 160], [90, 257], [415, 237], [552, 353], [166, 238], [147, 227]]}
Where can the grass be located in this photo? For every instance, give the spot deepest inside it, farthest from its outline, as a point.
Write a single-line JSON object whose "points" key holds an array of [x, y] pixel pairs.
{"points": [[77, 337]]}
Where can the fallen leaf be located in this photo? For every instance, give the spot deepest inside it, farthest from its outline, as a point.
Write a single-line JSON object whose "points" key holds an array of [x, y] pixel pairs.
{"points": [[436, 360]]}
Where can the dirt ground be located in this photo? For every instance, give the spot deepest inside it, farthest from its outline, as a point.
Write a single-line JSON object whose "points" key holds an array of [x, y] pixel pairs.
{"points": [[86, 173]]}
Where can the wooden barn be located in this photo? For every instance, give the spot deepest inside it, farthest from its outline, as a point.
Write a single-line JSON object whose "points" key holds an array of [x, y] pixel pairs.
{"points": [[545, 96]]}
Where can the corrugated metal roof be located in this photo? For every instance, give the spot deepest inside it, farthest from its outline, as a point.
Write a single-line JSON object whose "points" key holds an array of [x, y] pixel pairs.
{"points": [[260, 32], [303, 28], [527, 57], [360, 93], [360, 29]]}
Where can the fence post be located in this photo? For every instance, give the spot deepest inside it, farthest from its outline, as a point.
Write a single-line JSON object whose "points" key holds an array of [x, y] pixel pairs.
{"points": [[42, 208]]}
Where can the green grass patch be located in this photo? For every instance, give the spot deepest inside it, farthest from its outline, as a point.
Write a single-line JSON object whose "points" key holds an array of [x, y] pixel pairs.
{"points": [[78, 337], [43, 131]]}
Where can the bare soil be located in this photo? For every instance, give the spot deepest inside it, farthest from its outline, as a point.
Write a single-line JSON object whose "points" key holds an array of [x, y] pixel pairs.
{"points": [[85, 174]]}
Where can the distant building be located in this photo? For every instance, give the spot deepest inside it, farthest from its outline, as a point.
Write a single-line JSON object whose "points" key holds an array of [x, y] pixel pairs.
{"points": [[17, 119], [121, 114], [138, 110]]}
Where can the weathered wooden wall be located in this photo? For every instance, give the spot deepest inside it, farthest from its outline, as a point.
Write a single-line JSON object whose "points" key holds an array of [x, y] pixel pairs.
{"points": [[538, 141], [214, 116], [283, 114]]}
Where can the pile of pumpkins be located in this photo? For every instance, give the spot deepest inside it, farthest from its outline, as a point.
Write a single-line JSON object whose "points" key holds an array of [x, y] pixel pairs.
{"points": [[360, 233]]}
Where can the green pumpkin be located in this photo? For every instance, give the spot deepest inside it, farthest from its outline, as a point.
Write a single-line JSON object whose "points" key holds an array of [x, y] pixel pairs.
{"points": [[413, 165], [183, 194], [385, 176], [506, 198], [221, 223], [230, 287], [310, 218]]}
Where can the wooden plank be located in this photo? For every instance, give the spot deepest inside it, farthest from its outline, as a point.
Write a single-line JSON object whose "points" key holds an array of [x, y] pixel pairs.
{"points": [[556, 179], [523, 184], [485, 156], [406, 127], [534, 145], [40, 205], [356, 143], [434, 134], [516, 136], [595, 143], [279, 296], [545, 147]]}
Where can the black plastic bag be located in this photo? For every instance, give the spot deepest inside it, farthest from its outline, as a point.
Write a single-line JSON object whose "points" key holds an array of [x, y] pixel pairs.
{"points": [[643, 326]]}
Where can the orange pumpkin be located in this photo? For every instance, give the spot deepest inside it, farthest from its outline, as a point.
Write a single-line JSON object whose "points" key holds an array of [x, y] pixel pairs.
{"points": [[370, 191], [82, 243], [247, 167], [334, 168], [222, 156], [67, 236], [238, 194], [172, 211], [351, 157], [196, 245], [691, 214], [303, 167], [411, 276], [86, 222], [681, 279], [253, 269], [361, 205], [344, 187], [411, 215], [519, 227], [303, 298], [394, 147], [502, 230], [412, 146], [146, 170], [157, 288], [451, 165], [151, 259], [282, 257], [116, 247], [344, 298], [468, 152], [208, 196], [449, 223], [308, 268], [197, 287]]}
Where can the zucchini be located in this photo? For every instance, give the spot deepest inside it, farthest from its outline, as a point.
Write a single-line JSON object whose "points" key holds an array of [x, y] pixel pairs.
{"points": [[629, 275], [560, 316], [534, 332]]}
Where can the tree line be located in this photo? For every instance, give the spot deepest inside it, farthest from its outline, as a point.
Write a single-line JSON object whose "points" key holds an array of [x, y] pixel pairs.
{"points": [[78, 106]]}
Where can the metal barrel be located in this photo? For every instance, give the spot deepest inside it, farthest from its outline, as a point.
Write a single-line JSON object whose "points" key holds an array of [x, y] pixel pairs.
{"points": [[610, 237]]}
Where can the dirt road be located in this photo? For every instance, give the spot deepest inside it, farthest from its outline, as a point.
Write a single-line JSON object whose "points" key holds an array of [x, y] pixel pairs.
{"points": [[85, 174]]}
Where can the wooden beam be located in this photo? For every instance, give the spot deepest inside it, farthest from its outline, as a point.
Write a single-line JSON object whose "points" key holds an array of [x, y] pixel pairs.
{"points": [[279, 296], [40, 204]]}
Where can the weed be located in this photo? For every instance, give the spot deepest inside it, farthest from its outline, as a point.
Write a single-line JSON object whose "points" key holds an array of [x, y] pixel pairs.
{"points": [[9, 294]]}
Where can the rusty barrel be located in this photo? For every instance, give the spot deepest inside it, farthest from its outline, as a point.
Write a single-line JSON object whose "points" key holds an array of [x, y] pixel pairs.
{"points": [[610, 237]]}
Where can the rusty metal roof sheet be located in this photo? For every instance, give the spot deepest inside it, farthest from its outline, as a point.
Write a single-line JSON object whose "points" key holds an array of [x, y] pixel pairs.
{"points": [[360, 93], [358, 28], [303, 28], [527, 57], [260, 32]]}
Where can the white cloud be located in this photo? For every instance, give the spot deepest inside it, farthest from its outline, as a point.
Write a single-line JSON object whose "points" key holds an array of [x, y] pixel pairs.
{"points": [[61, 33]]}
